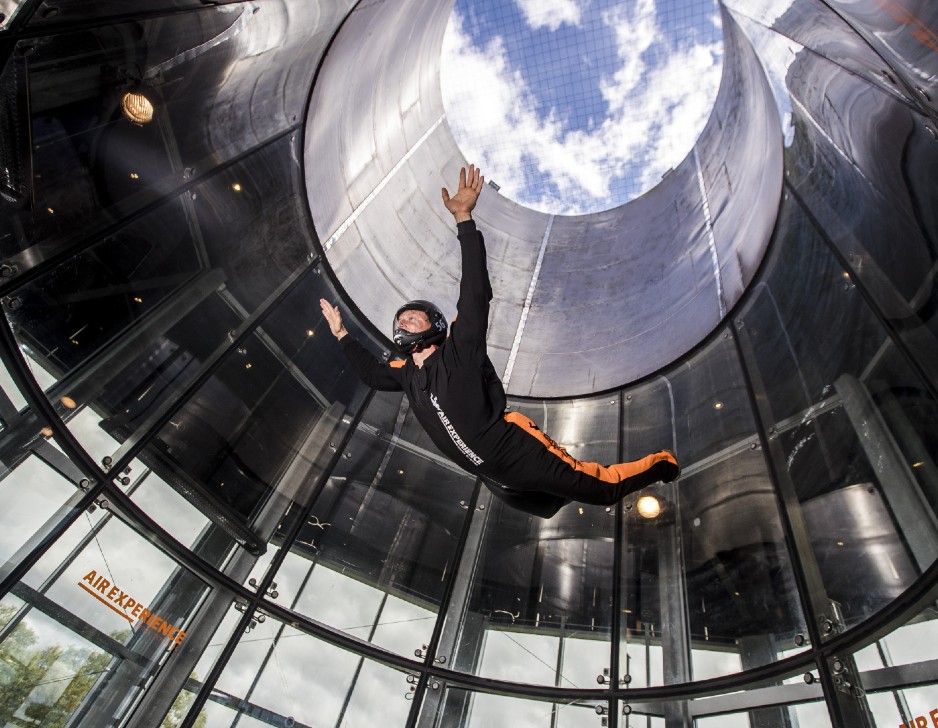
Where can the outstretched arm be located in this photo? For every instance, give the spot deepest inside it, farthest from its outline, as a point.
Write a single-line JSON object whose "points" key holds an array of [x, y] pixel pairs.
{"points": [[475, 291], [372, 372]]}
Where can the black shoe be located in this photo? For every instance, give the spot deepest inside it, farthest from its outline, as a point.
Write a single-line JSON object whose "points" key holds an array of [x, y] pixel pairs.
{"points": [[666, 470]]}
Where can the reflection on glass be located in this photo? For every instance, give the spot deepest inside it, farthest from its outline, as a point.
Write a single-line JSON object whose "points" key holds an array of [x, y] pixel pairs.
{"points": [[854, 426], [279, 673], [373, 555], [31, 494], [103, 613], [479, 710]]}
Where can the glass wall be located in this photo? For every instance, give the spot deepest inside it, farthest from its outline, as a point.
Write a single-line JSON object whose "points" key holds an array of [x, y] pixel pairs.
{"points": [[209, 521]]}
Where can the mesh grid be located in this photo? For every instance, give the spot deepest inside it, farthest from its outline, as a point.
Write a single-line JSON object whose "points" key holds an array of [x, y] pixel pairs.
{"points": [[572, 106]]}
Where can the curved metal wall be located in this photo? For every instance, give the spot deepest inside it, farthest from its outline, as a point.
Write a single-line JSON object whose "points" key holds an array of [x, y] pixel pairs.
{"points": [[210, 522]]}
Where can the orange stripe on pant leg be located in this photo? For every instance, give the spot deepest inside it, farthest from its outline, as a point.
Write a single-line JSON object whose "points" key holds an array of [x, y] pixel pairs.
{"points": [[612, 474], [608, 475]]}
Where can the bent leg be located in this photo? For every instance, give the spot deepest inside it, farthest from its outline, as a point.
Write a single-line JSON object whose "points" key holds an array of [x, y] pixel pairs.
{"points": [[541, 464]]}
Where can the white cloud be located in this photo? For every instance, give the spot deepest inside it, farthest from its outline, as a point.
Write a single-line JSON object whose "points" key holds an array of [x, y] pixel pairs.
{"points": [[549, 14], [655, 113]]}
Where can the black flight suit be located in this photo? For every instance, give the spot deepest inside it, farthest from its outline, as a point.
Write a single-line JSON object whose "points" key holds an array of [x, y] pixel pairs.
{"points": [[459, 400]]}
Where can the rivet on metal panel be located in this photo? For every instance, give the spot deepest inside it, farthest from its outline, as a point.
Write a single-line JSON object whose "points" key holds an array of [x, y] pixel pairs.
{"points": [[7, 270]]}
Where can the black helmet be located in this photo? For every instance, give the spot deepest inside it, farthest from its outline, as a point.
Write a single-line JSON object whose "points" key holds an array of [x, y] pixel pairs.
{"points": [[407, 342]]}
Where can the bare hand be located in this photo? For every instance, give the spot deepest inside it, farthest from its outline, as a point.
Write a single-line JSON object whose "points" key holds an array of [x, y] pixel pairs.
{"points": [[333, 318], [464, 201]]}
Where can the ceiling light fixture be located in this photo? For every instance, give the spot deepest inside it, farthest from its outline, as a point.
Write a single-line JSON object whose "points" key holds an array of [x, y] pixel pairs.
{"points": [[137, 107]]}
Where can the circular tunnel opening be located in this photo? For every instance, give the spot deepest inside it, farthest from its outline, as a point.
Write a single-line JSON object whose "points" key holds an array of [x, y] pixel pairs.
{"points": [[582, 303], [574, 109]]}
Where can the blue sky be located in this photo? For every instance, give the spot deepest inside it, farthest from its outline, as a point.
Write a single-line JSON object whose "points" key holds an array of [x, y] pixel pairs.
{"points": [[574, 106]]}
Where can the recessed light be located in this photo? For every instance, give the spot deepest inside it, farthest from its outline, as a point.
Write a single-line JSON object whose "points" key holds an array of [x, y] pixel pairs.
{"points": [[137, 108], [648, 506]]}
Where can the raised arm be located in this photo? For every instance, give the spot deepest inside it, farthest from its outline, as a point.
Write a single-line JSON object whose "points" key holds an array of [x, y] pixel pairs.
{"points": [[475, 291], [371, 371]]}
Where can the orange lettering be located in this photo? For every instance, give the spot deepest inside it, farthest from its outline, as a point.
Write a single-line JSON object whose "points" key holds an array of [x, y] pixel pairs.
{"points": [[172, 633], [137, 610], [102, 585], [144, 615], [130, 603], [180, 637], [110, 594], [154, 622], [166, 628], [920, 722], [90, 577], [934, 717]]}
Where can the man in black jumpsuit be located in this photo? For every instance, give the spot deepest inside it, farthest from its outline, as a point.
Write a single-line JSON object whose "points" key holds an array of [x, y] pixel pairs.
{"points": [[459, 400]]}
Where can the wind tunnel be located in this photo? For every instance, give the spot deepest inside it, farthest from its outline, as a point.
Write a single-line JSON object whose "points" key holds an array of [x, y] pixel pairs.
{"points": [[210, 521]]}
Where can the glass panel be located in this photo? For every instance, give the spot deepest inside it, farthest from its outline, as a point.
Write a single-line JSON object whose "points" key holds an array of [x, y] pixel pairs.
{"points": [[915, 707], [448, 706], [706, 554], [805, 714], [209, 85], [10, 390], [250, 447], [899, 673], [378, 544], [280, 675], [855, 426], [88, 628], [538, 591], [130, 321], [715, 419]]}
